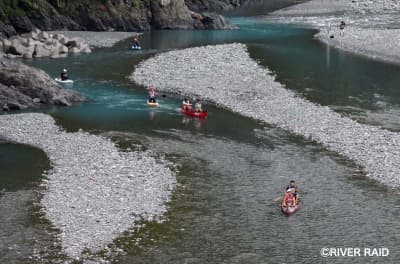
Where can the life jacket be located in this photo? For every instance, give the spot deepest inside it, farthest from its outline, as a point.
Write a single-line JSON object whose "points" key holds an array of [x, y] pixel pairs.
{"points": [[289, 198], [152, 94]]}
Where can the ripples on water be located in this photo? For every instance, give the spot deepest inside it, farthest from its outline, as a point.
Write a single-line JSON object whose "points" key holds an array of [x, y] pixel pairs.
{"points": [[231, 168]]}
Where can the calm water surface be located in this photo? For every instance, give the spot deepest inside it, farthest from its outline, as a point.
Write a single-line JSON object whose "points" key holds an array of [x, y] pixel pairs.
{"points": [[230, 168]]}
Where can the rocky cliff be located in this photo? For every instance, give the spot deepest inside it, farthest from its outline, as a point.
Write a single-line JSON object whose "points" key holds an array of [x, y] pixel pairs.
{"points": [[22, 86], [20, 16]]}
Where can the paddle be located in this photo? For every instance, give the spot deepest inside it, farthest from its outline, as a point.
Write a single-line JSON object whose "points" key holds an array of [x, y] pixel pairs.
{"points": [[277, 198]]}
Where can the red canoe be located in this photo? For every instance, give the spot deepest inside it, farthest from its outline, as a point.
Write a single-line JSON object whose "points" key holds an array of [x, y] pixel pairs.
{"points": [[289, 210], [192, 113]]}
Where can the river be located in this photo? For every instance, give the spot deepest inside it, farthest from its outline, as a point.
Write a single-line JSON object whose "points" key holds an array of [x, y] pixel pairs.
{"points": [[231, 168]]}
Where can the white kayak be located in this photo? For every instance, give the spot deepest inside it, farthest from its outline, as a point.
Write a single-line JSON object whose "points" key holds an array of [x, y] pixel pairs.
{"points": [[136, 47], [66, 81]]}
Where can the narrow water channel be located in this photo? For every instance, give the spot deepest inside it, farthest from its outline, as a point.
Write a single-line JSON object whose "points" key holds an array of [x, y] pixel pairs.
{"points": [[232, 168]]}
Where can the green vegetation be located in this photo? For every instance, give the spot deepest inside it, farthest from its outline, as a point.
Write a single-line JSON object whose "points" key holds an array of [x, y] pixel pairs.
{"points": [[21, 7]]}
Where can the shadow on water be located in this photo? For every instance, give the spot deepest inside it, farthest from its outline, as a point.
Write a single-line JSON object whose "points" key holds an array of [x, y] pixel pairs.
{"points": [[21, 166]]}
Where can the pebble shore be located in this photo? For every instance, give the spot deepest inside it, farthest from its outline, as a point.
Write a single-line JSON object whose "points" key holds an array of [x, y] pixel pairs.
{"points": [[226, 75], [372, 27], [94, 192], [97, 39]]}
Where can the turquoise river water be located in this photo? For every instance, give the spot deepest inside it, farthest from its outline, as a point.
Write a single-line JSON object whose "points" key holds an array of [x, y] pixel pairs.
{"points": [[231, 168]]}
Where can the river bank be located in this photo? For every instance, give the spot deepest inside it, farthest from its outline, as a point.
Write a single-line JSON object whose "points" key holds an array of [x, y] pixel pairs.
{"points": [[94, 192], [212, 73], [97, 39], [371, 26]]}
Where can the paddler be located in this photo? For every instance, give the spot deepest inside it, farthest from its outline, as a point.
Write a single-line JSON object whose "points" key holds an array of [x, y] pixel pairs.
{"points": [[289, 199], [136, 43], [197, 106], [293, 186], [64, 75], [152, 94], [186, 105]]}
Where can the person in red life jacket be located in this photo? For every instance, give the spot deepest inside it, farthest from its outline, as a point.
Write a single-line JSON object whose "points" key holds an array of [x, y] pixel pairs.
{"points": [[289, 199], [292, 185], [152, 95], [186, 105]]}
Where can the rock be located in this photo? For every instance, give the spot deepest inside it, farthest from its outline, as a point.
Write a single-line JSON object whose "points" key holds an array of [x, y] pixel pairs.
{"points": [[215, 21], [58, 37], [17, 47], [171, 14], [1, 46], [21, 23], [63, 49], [6, 30], [32, 35], [6, 44], [74, 50], [73, 43], [42, 51], [61, 101], [10, 56], [27, 55], [85, 49], [24, 85], [43, 36], [64, 40]]}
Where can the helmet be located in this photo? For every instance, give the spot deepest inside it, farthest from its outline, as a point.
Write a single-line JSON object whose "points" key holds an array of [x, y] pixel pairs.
{"points": [[65, 70]]}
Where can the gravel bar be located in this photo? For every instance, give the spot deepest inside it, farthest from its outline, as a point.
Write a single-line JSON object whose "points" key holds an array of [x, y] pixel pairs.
{"points": [[94, 192], [97, 39], [226, 75], [372, 26]]}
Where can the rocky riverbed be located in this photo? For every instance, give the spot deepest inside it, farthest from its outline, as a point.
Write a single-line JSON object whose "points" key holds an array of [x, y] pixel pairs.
{"points": [[226, 75], [372, 27], [94, 192]]}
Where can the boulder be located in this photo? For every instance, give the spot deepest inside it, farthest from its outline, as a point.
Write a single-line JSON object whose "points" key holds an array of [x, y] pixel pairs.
{"points": [[64, 40], [86, 49], [58, 37], [74, 50], [23, 86], [75, 42], [10, 56], [31, 35], [43, 36], [42, 51], [215, 21], [6, 44], [167, 14], [17, 48], [27, 55], [63, 49]]}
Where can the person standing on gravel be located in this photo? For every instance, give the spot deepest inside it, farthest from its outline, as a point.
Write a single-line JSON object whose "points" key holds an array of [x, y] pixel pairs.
{"points": [[341, 27]]}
